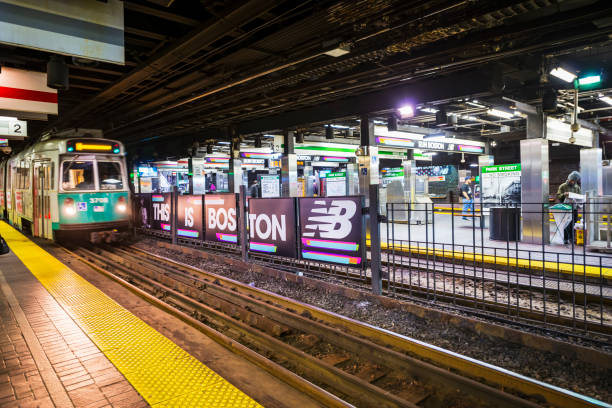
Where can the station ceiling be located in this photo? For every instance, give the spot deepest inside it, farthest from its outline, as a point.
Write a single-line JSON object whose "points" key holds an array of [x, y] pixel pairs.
{"points": [[207, 70]]}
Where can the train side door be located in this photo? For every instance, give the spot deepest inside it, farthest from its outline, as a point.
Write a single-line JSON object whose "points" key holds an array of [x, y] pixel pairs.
{"points": [[41, 202], [37, 189]]}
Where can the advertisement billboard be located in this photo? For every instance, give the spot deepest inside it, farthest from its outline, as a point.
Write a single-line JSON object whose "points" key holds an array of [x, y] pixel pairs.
{"points": [[331, 229], [220, 216], [143, 208], [160, 208], [501, 185], [189, 217], [272, 228]]}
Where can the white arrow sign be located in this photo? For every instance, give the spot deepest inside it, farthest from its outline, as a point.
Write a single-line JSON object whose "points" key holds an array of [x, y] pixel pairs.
{"points": [[13, 128]]}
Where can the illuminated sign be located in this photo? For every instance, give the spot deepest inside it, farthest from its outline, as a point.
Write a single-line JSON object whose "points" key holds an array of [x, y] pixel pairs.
{"points": [[93, 30], [220, 217], [13, 128], [160, 211], [189, 216], [92, 146], [272, 228], [428, 145], [331, 229]]}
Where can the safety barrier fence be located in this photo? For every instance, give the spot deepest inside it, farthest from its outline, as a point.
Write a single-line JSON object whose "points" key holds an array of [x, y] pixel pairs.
{"points": [[501, 260], [471, 259]]}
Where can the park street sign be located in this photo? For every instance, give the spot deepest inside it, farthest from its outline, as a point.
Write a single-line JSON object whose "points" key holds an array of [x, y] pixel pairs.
{"points": [[12, 128]]}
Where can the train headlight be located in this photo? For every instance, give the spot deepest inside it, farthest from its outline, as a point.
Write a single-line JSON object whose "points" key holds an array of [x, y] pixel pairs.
{"points": [[69, 208], [121, 204]]}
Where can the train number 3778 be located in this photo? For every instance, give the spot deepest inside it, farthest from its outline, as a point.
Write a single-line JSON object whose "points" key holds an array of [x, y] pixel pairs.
{"points": [[95, 200]]}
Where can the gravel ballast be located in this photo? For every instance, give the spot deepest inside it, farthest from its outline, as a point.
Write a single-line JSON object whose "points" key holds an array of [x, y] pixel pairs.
{"points": [[552, 368]]}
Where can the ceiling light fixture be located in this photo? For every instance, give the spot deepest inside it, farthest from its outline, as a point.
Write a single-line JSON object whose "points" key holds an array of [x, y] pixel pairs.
{"points": [[563, 74], [475, 104], [428, 109], [406, 111], [339, 51], [606, 99], [500, 113]]}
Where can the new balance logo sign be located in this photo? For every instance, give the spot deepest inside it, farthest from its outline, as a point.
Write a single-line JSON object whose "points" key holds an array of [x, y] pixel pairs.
{"points": [[330, 223]]}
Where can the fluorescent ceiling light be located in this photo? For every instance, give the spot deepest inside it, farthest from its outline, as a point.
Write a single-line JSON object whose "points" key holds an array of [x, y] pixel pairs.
{"points": [[563, 74], [500, 113], [606, 99], [475, 103], [339, 51], [340, 127], [428, 110], [223, 143], [474, 165]]}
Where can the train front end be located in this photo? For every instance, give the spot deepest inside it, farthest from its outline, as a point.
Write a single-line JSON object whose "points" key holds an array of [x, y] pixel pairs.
{"points": [[93, 200]]}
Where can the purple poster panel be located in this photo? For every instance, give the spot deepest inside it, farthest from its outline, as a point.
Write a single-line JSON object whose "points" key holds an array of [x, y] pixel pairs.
{"points": [[220, 215], [189, 217], [160, 208], [272, 226], [331, 229]]}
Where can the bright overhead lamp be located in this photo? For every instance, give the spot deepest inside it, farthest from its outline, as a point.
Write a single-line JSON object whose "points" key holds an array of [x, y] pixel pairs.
{"points": [[606, 99], [428, 109], [473, 164], [475, 103], [339, 51], [406, 111], [589, 80], [500, 113], [563, 74]]}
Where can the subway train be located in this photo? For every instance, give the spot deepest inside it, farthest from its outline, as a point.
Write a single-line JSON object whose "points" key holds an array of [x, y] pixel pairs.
{"points": [[68, 187]]}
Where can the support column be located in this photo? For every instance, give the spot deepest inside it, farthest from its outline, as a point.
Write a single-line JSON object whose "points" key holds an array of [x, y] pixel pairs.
{"points": [[591, 174], [289, 187], [535, 182], [368, 183], [242, 223], [308, 181], [235, 168]]}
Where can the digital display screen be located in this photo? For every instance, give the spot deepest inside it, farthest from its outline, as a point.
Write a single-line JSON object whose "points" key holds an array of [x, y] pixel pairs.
{"points": [[92, 146]]}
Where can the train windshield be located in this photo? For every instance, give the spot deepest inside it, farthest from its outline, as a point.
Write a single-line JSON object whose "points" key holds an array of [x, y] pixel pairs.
{"points": [[110, 176], [78, 175]]}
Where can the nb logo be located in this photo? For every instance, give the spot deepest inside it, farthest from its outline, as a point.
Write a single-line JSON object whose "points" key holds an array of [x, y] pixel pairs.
{"points": [[333, 222]]}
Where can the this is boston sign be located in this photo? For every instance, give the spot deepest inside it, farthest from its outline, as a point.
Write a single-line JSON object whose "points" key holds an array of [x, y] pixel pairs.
{"points": [[220, 216], [272, 226], [189, 216], [331, 229]]}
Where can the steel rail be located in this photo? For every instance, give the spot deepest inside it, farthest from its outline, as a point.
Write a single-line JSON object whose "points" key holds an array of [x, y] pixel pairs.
{"points": [[299, 383], [500, 377]]}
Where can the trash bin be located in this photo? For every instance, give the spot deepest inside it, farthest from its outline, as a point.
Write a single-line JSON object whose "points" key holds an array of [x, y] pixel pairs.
{"points": [[504, 223]]}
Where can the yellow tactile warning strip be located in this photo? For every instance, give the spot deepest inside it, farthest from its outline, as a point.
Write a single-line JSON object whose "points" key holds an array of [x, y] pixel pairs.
{"points": [[163, 373], [549, 266]]}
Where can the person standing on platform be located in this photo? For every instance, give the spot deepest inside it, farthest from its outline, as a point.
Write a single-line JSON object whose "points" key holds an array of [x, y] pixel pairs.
{"points": [[254, 189], [468, 198], [572, 185]]}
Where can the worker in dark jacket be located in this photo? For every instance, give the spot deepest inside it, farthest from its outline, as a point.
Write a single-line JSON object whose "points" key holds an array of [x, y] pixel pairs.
{"points": [[572, 185]]}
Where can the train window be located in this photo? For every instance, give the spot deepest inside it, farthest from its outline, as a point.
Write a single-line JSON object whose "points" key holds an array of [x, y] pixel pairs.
{"points": [[78, 175], [110, 176]]}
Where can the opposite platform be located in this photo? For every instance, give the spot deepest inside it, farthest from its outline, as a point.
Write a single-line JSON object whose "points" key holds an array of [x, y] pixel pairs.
{"points": [[163, 373]]}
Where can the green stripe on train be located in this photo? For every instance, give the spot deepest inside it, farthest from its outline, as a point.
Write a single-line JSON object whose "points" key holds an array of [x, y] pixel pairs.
{"points": [[93, 207]]}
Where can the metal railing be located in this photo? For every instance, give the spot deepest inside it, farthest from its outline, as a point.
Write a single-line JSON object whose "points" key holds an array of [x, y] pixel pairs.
{"points": [[443, 254], [484, 260]]}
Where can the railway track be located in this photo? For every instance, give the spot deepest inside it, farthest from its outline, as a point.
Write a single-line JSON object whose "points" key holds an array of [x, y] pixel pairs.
{"points": [[336, 360]]}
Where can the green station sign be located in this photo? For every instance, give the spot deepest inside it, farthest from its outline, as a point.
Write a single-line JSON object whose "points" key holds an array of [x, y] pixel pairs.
{"points": [[501, 168]]}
